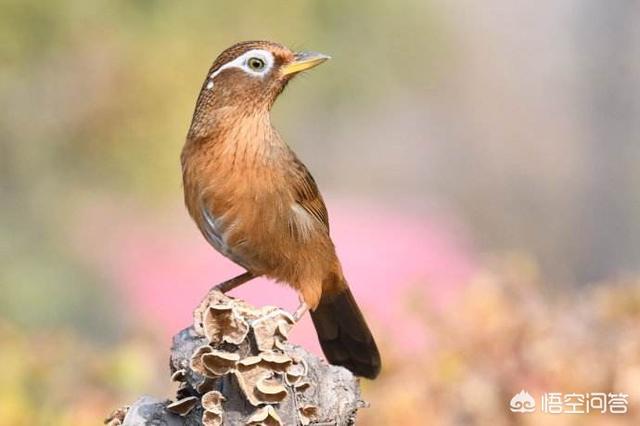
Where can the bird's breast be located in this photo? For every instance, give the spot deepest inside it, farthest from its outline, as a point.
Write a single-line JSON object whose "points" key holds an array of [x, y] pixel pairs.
{"points": [[240, 201]]}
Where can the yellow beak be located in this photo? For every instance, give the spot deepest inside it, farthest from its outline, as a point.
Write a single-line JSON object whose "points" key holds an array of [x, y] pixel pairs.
{"points": [[304, 61]]}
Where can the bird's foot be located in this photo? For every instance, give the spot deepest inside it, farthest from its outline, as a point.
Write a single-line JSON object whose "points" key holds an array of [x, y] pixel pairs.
{"points": [[299, 313], [234, 282]]}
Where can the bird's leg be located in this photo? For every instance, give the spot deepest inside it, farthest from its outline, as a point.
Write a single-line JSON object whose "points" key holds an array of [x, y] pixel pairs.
{"points": [[229, 285], [299, 313]]}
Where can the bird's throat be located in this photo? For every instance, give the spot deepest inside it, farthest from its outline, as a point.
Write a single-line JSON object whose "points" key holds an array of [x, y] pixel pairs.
{"points": [[233, 137]]}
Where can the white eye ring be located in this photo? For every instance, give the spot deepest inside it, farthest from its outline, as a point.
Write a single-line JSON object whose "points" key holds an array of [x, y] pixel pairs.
{"points": [[244, 62]]}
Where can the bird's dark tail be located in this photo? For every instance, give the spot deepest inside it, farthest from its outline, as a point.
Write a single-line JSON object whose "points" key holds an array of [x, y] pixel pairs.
{"points": [[344, 335]]}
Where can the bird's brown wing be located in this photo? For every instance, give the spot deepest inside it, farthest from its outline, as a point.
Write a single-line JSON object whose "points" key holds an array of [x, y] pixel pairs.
{"points": [[307, 195]]}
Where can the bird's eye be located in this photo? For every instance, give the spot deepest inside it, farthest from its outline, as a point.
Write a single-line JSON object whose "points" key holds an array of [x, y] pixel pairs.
{"points": [[256, 64]]}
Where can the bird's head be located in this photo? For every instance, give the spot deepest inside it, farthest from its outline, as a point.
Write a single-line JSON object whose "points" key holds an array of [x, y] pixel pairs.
{"points": [[252, 74]]}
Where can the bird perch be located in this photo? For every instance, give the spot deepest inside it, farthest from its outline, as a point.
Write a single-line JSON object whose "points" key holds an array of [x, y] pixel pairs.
{"points": [[235, 366]]}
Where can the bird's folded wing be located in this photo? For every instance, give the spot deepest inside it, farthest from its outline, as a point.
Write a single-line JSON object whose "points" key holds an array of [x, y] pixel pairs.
{"points": [[307, 195]]}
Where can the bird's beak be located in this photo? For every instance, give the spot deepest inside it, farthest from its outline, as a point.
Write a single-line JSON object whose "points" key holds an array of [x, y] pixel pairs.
{"points": [[304, 61]]}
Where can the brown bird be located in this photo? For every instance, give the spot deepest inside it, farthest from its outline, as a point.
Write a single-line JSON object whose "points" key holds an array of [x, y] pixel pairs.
{"points": [[257, 204]]}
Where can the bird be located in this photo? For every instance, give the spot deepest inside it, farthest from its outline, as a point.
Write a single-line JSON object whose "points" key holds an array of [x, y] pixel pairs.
{"points": [[256, 203]]}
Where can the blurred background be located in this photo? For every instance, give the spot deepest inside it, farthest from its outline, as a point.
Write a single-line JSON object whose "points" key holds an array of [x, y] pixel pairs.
{"points": [[479, 161]]}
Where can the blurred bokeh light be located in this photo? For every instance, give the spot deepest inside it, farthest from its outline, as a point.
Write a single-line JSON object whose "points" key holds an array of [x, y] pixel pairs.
{"points": [[479, 162]]}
